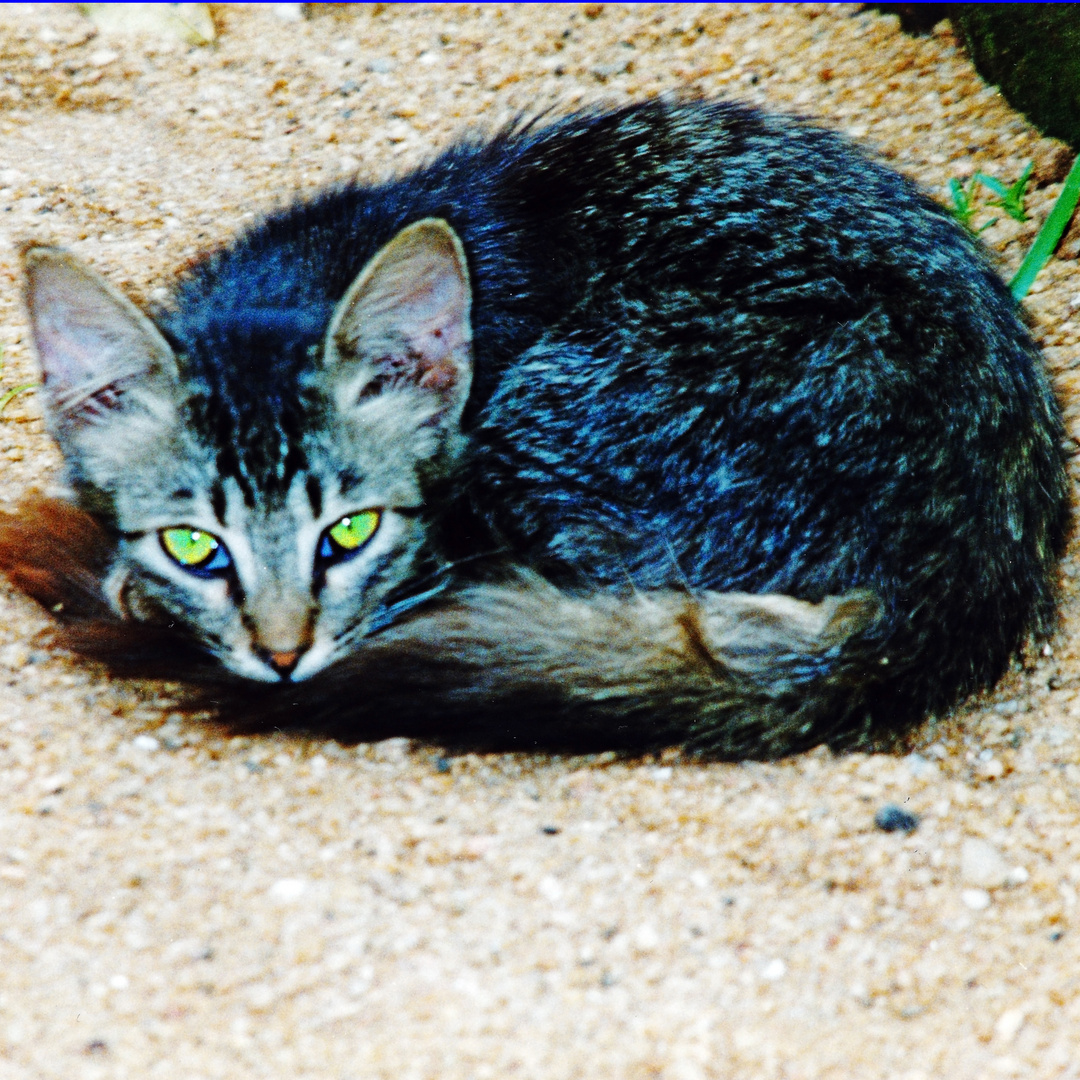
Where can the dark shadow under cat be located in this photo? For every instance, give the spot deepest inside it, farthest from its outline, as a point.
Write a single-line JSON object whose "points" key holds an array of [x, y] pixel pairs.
{"points": [[678, 424]]}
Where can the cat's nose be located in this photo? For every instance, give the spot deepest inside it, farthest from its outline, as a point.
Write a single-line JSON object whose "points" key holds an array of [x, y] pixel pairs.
{"points": [[281, 625], [283, 662]]}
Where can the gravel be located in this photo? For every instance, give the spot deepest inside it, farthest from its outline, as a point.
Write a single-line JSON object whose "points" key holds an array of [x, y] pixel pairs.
{"points": [[223, 906]]}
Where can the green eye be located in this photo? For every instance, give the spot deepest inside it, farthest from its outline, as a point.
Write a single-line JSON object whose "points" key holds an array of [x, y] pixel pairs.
{"points": [[353, 532], [194, 549]]}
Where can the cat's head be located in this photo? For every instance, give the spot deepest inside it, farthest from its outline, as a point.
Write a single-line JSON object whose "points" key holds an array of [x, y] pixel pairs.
{"points": [[276, 543]]}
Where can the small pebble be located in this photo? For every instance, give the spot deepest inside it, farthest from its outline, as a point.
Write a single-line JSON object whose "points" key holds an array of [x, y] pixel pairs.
{"points": [[1009, 1024], [774, 970], [990, 769], [982, 865], [54, 783], [893, 818], [146, 743], [550, 889], [646, 938], [103, 57], [921, 767], [976, 899], [288, 889]]}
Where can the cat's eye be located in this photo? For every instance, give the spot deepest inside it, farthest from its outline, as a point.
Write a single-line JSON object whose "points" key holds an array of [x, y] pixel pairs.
{"points": [[199, 552], [346, 537]]}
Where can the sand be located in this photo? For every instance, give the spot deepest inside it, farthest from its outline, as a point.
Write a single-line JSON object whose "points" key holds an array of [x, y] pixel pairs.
{"points": [[178, 902]]}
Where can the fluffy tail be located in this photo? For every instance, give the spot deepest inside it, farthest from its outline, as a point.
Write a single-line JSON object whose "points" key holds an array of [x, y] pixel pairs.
{"points": [[520, 663], [524, 663]]}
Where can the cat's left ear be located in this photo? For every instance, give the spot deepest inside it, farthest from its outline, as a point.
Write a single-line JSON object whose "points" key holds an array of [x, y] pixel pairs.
{"points": [[110, 377], [404, 324]]}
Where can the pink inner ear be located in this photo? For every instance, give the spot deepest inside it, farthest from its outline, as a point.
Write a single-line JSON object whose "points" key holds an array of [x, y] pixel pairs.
{"points": [[433, 315], [70, 352], [66, 325], [90, 338], [440, 377], [407, 315]]}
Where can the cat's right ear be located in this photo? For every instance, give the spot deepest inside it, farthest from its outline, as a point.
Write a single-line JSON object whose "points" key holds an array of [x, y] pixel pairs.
{"points": [[404, 325], [108, 372]]}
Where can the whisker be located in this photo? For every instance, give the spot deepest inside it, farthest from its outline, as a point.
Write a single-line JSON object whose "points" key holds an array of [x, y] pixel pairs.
{"points": [[392, 612]]}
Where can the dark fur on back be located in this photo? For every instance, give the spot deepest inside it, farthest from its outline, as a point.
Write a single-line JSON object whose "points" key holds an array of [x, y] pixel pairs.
{"points": [[715, 351]]}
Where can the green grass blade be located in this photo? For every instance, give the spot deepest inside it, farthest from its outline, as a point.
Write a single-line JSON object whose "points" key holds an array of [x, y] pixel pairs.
{"points": [[10, 395], [961, 203], [996, 186], [1049, 235]]}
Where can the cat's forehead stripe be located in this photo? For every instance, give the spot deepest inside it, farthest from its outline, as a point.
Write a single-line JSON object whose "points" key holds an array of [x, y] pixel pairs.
{"points": [[314, 494], [260, 458], [218, 501]]}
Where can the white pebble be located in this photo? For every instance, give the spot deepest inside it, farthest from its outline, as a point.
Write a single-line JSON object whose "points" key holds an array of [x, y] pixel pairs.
{"points": [[550, 889], [976, 899], [288, 889], [981, 864], [392, 751], [1009, 1024], [1017, 876], [146, 743], [646, 938], [773, 970], [54, 783]]}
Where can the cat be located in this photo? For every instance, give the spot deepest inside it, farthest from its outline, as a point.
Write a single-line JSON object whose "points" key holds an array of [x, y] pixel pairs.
{"points": [[673, 423]]}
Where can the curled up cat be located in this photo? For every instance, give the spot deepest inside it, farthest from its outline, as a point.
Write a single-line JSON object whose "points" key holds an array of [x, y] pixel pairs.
{"points": [[678, 423]]}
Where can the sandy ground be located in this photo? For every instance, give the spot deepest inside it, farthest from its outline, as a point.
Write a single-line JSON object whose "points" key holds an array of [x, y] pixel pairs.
{"points": [[176, 902]]}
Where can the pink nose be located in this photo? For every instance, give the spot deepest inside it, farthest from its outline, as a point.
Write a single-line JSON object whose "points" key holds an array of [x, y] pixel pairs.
{"points": [[283, 662]]}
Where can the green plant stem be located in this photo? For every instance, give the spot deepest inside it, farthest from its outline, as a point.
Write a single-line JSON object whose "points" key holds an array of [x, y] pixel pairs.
{"points": [[8, 396], [1049, 235]]}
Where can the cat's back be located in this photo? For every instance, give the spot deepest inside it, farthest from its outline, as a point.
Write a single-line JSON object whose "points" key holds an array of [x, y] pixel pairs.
{"points": [[774, 223]]}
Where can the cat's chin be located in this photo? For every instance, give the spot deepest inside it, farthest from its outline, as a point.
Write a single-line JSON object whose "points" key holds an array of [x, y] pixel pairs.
{"points": [[316, 660], [250, 668]]}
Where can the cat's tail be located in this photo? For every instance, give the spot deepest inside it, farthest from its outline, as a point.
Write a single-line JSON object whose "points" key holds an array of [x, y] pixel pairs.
{"points": [[59, 555], [526, 664], [519, 664]]}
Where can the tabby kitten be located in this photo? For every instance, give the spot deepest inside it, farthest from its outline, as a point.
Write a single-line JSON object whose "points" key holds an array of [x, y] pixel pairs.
{"points": [[674, 423]]}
